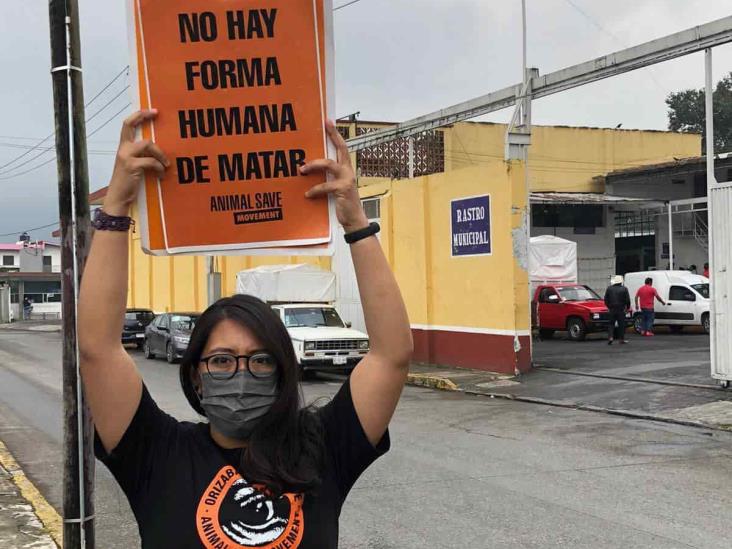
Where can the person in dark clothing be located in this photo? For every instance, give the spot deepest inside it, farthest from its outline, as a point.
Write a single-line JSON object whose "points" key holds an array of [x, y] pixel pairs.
{"points": [[617, 300]]}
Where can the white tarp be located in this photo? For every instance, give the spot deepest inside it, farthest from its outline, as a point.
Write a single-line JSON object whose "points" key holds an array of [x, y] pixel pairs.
{"points": [[552, 259], [288, 283]]}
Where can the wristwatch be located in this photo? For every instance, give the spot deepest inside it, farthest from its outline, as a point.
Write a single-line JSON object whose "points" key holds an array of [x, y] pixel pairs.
{"points": [[360, 234]]}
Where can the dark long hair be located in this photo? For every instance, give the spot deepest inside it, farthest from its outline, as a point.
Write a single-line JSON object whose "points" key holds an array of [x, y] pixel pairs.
{"points": [[285, 450]]}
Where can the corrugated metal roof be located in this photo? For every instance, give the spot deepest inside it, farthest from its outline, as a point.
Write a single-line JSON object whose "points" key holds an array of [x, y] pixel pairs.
{"points": [[587, 198], [693, 162]]}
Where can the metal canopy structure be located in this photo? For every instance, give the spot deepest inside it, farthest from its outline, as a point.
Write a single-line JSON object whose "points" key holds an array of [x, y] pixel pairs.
{"points": [[669, 47], [599, 199]]}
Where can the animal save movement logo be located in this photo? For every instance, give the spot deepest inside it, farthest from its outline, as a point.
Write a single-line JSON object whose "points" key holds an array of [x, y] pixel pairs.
{"points": [[233, 513]]}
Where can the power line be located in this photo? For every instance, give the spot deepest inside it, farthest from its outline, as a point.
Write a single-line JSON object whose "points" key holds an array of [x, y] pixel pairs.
{"points": [[125, 71], [34, 168], [18, 146], [345, 5], [29, 230], [47, 149], [49, 136], [13, 176], [26, 138], [594, 22], [115, 115], [108, 103]]}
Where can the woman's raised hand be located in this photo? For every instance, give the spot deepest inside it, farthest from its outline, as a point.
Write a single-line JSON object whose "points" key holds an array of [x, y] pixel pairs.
{"points": [[133, 159], [342, 185]]}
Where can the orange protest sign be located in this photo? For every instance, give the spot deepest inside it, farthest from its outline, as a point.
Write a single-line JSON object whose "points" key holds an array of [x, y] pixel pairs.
{"points": [[242, 91]]}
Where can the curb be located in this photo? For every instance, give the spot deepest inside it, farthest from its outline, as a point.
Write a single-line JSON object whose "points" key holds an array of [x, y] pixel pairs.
{"points": [[29, 330], [444, 384], [600, 410], [432, 382], [48, 516]]}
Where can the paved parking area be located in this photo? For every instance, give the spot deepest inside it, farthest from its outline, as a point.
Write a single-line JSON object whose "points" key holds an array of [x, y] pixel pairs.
{"points": [[463, 471], [666, 376]]}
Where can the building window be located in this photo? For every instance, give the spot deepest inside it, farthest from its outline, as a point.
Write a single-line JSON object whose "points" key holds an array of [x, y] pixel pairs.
{"points": [[630, 224], [584, 218], [372, 207], [8, 261]]}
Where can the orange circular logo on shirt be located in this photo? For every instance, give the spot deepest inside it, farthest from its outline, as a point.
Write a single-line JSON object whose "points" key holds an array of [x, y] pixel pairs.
{"points": [[233, 513]]}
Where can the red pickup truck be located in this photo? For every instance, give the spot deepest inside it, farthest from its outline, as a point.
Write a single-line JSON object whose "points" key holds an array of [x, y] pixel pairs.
{"points": [[573, 308]]}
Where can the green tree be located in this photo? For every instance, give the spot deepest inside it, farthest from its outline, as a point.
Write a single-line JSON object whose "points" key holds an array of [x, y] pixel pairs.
{"points": [[686, 113]]}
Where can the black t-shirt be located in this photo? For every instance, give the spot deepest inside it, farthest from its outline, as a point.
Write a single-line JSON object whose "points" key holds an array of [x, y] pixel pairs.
{"points": [[187, 492]]}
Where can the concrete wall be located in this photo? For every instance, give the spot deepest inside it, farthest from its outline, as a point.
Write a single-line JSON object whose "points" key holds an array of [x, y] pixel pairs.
{"points": [[36, 266], [655, 187], [465, 311], [568, 159], [469, 311], [166, 284]]}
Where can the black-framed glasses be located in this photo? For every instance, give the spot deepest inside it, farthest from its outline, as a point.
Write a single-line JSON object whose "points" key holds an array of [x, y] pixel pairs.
{"points": [[223, 366]]}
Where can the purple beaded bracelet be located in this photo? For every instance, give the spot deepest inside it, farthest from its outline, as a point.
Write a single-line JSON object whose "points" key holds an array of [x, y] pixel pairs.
{"points": [[105, 222]]}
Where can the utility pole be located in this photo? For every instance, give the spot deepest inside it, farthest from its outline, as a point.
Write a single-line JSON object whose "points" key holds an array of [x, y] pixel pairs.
{"points": [[73, 193]]}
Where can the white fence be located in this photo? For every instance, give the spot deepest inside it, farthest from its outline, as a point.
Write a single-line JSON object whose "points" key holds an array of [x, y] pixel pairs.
{"points": [[721, 283]]}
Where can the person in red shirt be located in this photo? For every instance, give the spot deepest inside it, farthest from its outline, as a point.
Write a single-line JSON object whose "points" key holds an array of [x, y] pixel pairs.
{"points": [[644, 301], [706, 270]]}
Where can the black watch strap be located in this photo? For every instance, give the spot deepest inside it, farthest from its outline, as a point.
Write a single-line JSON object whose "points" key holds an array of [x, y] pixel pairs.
{"points": [[360, 234]]}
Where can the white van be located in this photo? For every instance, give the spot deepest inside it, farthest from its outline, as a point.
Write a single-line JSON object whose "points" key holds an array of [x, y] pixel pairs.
{"points": [[686, 295]]}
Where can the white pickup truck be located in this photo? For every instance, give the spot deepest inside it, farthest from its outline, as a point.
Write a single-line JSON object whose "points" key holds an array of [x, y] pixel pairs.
{"points": [[322, 341], [302, 295]]}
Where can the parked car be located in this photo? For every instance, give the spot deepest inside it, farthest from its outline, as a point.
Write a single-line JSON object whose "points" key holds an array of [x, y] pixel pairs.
{"points": [[133, 330], [303, 296], [686, 295], [322, 341], [168, 335], [573, 308]]}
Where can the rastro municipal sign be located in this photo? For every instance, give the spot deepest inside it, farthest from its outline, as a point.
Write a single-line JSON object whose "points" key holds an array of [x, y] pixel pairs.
{"points": [[471, 226]]}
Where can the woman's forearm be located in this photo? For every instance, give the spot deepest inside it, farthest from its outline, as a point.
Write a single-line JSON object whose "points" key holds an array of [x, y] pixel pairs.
{"points": [[386, 317], [103, 296]]}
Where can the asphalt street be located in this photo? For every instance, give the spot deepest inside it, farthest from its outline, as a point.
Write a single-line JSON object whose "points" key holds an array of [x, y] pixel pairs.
{"points": [[464, 471]]}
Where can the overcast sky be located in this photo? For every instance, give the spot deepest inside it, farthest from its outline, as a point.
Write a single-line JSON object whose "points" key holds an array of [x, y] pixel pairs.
{"points": [[395, 59]]}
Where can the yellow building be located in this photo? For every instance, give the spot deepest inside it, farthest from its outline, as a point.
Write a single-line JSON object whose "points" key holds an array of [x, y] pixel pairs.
{"points": [[471, 310]]}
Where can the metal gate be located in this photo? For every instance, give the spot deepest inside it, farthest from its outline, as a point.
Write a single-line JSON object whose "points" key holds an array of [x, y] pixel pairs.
{"points": [[721, 283]]}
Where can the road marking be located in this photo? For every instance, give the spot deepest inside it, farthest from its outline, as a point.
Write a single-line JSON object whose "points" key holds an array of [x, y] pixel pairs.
{"points": [[48, 516]]}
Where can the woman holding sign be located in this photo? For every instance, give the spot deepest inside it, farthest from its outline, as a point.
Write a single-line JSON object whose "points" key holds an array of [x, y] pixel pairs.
{"points": [[263, 471]]}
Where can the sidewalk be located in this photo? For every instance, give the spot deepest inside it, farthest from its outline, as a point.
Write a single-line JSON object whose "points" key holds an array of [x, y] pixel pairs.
{"points": [[666, 379], [20, 526], [32, 326]]}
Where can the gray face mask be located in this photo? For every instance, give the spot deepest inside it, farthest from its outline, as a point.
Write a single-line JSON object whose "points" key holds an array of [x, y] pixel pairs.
{"points": [[234, 406]]}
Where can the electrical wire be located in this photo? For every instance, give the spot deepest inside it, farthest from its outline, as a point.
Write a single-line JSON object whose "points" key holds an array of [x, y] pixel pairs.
{"points": [[17, 146], [115, 115], [125, 71], [107, 104], [7, 173], [111, 119], [29, 230], [594, 22], [345, 5], [49, 136]]}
